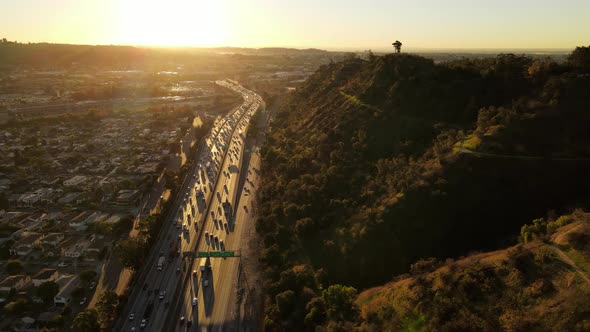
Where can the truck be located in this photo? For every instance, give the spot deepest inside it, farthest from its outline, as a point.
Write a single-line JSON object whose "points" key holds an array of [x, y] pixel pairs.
{"points": [[205, 264], [161, 263], [173, 250]]}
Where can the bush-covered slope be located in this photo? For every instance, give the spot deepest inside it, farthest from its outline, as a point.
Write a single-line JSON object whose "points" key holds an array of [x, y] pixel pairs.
{"points": [[530, 287], [375, 164]]}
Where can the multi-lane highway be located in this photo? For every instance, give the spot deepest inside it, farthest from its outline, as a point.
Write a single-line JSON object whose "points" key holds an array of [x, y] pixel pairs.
{"points": [[172, 285]]}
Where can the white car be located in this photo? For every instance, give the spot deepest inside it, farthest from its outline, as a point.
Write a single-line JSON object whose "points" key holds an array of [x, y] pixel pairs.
{"points": [[132, 316], [194, 301], [143, 323], [83, 301]]}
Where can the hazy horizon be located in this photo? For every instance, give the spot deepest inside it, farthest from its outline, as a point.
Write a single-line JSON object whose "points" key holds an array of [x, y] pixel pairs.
{"points": [[331, 25]]}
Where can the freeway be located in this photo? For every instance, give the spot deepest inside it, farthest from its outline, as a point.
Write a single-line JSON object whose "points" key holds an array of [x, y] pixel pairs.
{"points": [[212, 309], [167, 274]]}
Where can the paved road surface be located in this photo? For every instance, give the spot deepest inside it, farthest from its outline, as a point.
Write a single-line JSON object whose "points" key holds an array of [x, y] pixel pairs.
{"points": [[159, 294]]}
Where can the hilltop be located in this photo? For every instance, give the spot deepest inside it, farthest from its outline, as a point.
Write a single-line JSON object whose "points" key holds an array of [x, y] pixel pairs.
{"points": [[374, 164]]}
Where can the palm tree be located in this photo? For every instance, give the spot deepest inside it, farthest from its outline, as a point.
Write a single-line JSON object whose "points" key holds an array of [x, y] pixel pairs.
{"points": [[397, 46]]}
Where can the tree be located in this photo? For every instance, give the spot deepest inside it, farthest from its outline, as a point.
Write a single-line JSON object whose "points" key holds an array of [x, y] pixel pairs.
{"points": [[339, 302], [47, 291], [3, 202], [77, 293], [397, 45], [17, 307], [123, 226], [86, 321], [87, 276], [580, 58], [14, 267], [285, 302], [106, 306], [130, 252]]}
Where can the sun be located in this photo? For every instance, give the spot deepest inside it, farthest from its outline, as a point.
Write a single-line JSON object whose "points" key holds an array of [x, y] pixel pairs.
{"points": [[171, 23]]}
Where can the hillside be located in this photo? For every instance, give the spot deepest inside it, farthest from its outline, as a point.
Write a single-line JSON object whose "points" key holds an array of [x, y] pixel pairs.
{"points": [[374, 164], [538, 286]]}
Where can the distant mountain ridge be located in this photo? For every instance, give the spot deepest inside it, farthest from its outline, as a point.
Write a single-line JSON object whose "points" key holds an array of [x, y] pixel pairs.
{"points": [[44, 54]]}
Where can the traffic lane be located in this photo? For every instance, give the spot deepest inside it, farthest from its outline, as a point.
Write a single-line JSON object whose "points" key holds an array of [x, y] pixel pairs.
{"points": [[208, 298], [168, 271], [229, 272], [185, 304], [222, 269], [141, 301], [207, 224]]}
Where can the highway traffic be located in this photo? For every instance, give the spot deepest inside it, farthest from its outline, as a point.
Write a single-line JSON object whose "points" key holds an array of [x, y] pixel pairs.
{"points": [[175, 287]]}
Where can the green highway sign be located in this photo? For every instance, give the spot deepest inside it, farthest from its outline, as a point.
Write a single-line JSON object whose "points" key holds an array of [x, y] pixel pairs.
{"points": [[216, 254]]}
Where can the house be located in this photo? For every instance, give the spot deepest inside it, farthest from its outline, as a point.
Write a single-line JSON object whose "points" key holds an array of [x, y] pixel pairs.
{"points": [[67, 285], [39, 196], [127, 197], [74, 247], [75, 181], [79, 221], [17, 283], [70, 198], [45, 275], [52, 239], [25, 244], [92, 251]]}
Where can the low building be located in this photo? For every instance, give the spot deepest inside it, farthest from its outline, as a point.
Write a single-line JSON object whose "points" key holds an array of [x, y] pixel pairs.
{"points": [[25, 244], [75, 181], [45, 275], [70, 198], [52, 239], [127, 197], [67, 286], [17, 283], [79, 222], [74, 247]]}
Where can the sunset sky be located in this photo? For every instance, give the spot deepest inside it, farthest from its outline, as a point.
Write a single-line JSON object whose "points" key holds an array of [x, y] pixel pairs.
{"points": [[328, 24]]}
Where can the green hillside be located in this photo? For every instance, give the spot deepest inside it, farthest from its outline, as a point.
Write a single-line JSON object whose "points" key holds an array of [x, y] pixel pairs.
{"points": [[374, 164], [538, 286]]}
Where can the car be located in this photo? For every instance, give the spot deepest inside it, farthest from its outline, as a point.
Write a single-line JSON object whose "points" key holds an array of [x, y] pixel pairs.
{"points": [[92, 284], [194, 301], [206, 282], [182, 320], [62, 264], [162, 294], [83, 301], [194, 272], [143, 323], [132, 316], [178, 269], [132, 329]]}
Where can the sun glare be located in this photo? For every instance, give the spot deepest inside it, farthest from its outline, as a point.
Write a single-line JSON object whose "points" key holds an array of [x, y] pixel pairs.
{"points": [[171, 23]]}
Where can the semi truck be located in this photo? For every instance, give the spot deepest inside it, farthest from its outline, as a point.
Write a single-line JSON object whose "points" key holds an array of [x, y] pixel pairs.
{"points": [[161, 263], [205, 264]]}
